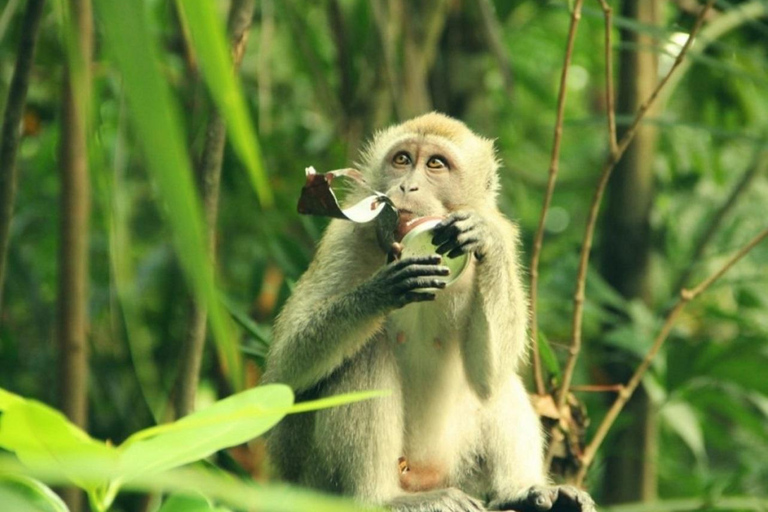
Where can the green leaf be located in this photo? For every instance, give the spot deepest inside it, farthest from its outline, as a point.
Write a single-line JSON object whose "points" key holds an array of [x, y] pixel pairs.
{"points": [[682, 419], [24, 494], [186, 503], [210, 44], [42, 437], [548, 356], [157, 127], [214, 485], [229, 422], [259, 332], [7, 399]]}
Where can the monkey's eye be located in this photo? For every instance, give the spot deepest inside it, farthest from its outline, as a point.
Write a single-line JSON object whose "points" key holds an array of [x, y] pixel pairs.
{"points": [[437, 162], [401, 158]]}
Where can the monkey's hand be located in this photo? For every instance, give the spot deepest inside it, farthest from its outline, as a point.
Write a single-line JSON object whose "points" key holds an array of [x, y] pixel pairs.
{"points": [[404, 281], [463, 232], [539, 498]]}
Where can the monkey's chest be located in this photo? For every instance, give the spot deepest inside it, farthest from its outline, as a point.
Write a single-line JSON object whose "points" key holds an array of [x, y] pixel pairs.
{"points": [[437, 402]]}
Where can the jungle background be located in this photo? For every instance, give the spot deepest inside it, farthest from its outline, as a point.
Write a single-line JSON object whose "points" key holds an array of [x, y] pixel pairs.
{"points": [[105, 284]]}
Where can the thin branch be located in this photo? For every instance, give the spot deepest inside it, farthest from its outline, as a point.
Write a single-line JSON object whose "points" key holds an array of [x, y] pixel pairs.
{"points": [[553, 168], [609, 94], [759, 165], [686, 296], [586, 249], [607, 388], [209, 174], [10, 135]]}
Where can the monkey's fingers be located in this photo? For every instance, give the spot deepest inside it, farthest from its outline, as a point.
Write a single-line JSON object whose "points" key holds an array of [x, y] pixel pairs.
{"points": [[464, 242], [430, 259], [418, 297], [453, 218], [422, 271], [418, 283], [395, 252]]}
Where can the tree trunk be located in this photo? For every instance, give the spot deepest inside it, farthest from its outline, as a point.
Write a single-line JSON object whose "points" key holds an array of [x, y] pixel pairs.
{"points": [[75, 211], [10, 136], [630, 473]]}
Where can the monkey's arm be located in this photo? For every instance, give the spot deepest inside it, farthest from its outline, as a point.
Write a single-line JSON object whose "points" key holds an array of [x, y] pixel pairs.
{"points": [[496, 337], [340, 303]]}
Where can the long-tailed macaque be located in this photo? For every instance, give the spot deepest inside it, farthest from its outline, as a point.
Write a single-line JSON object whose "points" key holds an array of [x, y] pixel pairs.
{"points": [[458, 432]]}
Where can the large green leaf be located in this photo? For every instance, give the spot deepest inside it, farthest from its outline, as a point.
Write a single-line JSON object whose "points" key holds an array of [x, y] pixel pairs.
{"points": [[42, 437], [210, 44], [21, 494], [156, 125], [244, 495], [7, 399], [187, 503], [232, 421]]}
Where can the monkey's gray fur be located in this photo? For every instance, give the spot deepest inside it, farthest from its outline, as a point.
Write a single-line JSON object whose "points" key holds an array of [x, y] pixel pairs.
{"points": [[458, 412]]}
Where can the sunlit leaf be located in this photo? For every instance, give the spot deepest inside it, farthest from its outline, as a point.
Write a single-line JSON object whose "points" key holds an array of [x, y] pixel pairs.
{"points": [[187, 503], [42, 437], [224, 489], [7, 399], [229, 422], [23, 494], [157, 126], [210, 44]]}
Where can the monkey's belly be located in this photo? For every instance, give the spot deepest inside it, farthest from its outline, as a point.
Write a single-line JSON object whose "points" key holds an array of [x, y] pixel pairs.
{"points": [[439, 409]]}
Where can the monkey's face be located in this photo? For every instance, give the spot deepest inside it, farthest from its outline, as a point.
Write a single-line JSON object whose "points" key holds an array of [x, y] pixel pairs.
{"points": [[422, 175]]}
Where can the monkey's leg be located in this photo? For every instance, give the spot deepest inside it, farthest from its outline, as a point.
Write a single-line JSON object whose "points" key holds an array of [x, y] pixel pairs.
{"points": [[515, 457]]}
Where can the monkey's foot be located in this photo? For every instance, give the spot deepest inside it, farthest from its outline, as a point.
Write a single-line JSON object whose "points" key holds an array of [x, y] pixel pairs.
{"points": [[560, 498], [443, 500]]}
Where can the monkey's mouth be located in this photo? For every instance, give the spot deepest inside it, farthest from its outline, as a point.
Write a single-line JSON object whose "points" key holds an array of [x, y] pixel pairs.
{"points": [[406, 215]]}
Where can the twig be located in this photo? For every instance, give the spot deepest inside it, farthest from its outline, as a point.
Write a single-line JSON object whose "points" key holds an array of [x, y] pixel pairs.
{"points": [[608, 388], [553, 168], [209, 173], [586, 249], [758, 165], [686, 296], [14, 108], [493, 31], [609, 94]]}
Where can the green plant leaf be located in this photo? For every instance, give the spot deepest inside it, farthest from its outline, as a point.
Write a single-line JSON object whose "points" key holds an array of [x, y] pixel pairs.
{"points": [[42, 437], [7, 399], [229, 422], [548, 356], [187, 503], [210, 44], [157, 127], [217, 486], [23, 494], [681, 418]]}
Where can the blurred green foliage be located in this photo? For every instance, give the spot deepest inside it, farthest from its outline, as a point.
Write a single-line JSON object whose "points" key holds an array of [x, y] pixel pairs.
{"points": [[315, 91]]}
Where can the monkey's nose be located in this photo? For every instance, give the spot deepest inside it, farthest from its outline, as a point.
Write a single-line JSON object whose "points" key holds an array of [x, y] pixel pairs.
{"points": [[411, 187]]}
